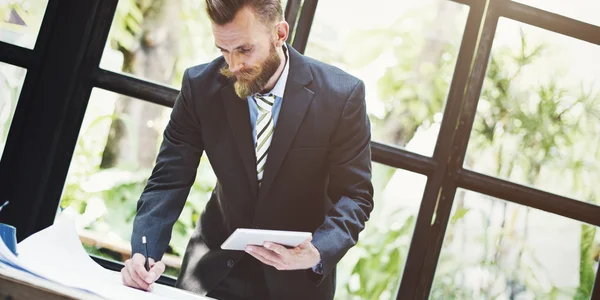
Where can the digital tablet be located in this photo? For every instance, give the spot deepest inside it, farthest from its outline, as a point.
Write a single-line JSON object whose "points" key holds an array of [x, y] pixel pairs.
{"points": [[244, 236]]}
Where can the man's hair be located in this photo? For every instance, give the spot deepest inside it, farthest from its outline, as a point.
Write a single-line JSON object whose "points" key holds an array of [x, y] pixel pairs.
{"points": [[223, 11]]}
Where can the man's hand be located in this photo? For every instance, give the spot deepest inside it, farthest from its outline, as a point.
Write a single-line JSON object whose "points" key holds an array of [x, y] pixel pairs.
{"points": [[134, 273], [304, 256]]}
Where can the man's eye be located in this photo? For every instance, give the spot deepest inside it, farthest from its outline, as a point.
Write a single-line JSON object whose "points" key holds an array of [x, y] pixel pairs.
{"points": [[246, 50]]}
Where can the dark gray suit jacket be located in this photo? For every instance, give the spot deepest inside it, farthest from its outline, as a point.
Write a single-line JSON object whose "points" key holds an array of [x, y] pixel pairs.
{"points": [[317, 176]]}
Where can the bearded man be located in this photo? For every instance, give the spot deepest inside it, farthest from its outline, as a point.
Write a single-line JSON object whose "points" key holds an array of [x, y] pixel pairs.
{"points": [[288, 139]]}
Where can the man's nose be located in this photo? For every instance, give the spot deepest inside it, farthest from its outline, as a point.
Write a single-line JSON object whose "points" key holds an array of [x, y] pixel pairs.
{"points": [[235, 64]]}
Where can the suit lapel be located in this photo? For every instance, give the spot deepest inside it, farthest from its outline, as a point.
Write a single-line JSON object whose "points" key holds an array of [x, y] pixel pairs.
{"points": [[239, 120], [296, 101]]}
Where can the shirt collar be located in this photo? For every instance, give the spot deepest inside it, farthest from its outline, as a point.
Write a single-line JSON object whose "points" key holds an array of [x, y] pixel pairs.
{"points": [[279, 88]]}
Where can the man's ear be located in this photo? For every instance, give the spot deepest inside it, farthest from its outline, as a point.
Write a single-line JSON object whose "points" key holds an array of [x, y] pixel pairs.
{"points": [[282, 30]]}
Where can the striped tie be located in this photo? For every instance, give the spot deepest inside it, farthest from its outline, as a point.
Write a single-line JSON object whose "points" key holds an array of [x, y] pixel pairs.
{"points": [[264, 130]]}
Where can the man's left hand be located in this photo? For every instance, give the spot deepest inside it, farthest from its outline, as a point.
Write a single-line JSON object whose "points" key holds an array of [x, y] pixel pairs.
{"points": [[304, 256]]}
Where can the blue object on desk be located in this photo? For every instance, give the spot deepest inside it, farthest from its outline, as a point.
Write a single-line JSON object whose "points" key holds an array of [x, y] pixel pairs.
{"points": [[8, 234]]}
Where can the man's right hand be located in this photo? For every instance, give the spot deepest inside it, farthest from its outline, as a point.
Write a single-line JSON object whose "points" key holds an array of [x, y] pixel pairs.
{"points": [[134, 273]]}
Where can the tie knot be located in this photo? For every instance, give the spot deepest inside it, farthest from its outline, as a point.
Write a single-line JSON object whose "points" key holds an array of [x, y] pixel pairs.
{"points": [[265, 102]]}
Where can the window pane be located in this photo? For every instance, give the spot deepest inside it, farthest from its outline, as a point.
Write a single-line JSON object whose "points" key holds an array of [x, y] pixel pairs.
{"points": [[583, 10], [495, 249], [21, 20], [537, 121], [158, 40], [110, 167], [372, 269], [11, 82], [404, 51]]}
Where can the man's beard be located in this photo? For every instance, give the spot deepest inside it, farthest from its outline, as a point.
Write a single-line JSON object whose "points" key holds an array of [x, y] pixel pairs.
{"points": [[249, 81]]}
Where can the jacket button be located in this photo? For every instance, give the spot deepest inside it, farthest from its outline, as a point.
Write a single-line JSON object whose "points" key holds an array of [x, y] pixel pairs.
{"points": [[256, 226], [230, 263]]}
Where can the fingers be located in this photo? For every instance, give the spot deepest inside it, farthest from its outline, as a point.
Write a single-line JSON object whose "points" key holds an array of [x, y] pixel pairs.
{"points": [[131, 278], [157, 269], [267, 257], [126, 278], [306, 244], [138, 266], [268, 254], [281, 250], [266, 261]]}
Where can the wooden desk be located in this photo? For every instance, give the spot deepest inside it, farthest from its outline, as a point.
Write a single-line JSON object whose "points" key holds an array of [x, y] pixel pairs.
{"points": [[15, 285]]}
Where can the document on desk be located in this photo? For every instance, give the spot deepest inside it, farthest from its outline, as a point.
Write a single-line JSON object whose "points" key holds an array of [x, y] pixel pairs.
{"points": [[56, 254]]}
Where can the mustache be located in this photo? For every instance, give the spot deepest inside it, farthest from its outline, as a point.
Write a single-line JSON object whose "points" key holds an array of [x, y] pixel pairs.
{"points": [[243, 74]]}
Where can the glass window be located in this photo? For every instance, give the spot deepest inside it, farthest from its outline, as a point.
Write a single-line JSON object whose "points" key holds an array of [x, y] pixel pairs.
{"points": [[11, 82], [373, 268], [158, 40], [582, 10], [538, 119], [21, 20], [495, 249], [404, 51], [114, 156]]}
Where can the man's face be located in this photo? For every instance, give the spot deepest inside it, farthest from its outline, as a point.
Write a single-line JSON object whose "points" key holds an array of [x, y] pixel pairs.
{"points": [[249, 49]]}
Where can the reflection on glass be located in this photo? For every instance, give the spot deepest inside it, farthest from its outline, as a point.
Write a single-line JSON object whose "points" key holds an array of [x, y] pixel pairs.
{"points": [[20, 21], [582, 10], [404, 51], [115, 152], [11, 82], [372, 269], [158, 40], [538, 119], [499, 250]]}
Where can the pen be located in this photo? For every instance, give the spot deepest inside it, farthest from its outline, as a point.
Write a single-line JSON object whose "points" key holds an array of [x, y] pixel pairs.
{"points": [[3, 205], [146, 253]]}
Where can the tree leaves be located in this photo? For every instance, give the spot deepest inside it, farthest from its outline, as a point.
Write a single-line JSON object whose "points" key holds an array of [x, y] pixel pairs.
{"points": [[586, 263]]}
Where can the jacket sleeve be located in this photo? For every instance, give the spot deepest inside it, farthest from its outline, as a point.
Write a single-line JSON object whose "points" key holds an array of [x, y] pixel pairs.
{"points": [[350, 187], [174, 173]]}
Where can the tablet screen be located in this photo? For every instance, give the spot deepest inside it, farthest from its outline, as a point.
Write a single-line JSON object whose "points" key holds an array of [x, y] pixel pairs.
{"points": [[245, 236]]}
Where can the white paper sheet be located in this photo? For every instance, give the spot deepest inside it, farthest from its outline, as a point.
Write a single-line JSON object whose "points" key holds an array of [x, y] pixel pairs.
{"points": [[56, 254], [12, 263]]}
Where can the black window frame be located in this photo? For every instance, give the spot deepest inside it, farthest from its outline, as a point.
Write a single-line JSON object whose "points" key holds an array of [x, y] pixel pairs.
{"points": [[64, 67]]}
